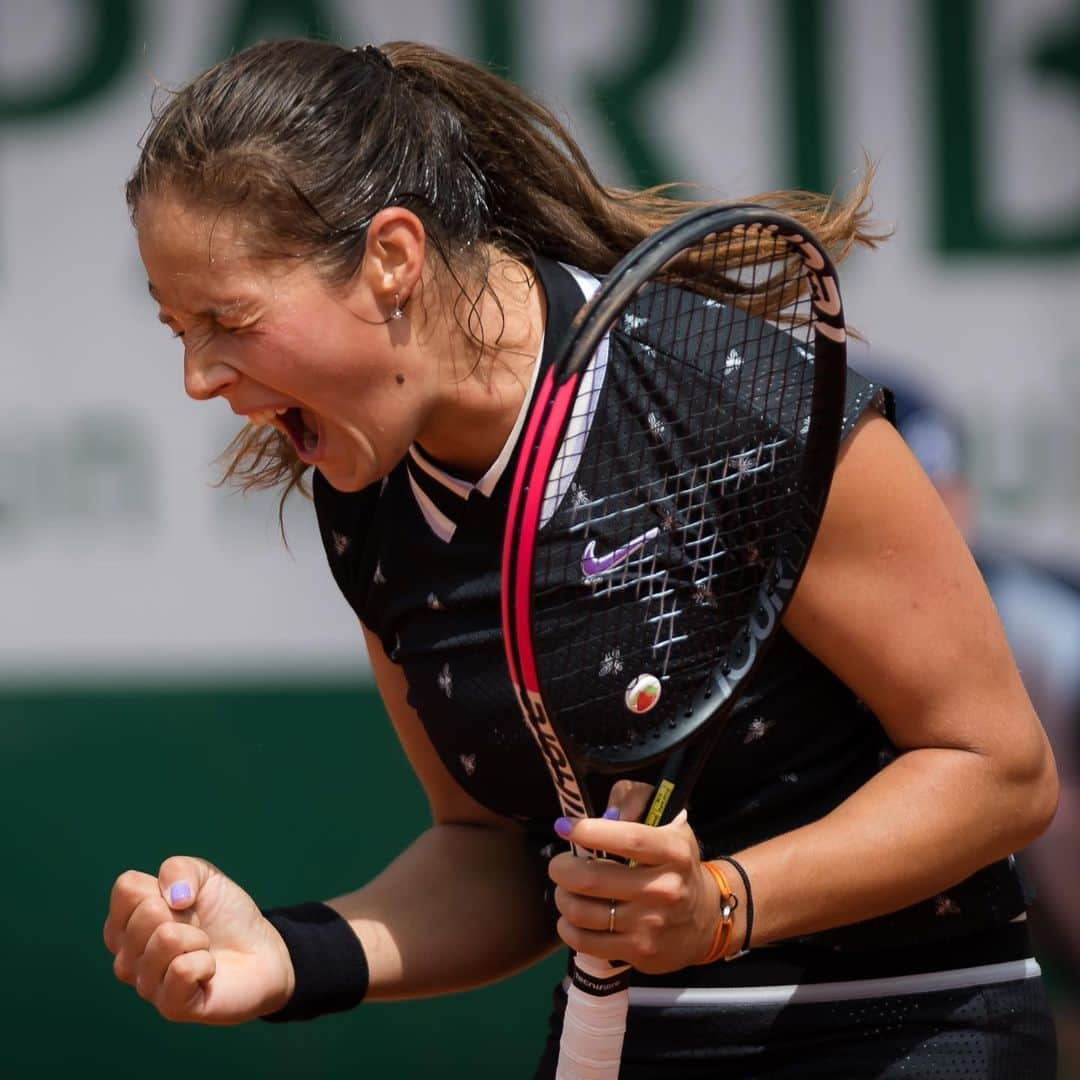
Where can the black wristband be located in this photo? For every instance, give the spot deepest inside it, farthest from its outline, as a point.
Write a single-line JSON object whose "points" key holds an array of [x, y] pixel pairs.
{"points": [[749, 899], [328, 961]]}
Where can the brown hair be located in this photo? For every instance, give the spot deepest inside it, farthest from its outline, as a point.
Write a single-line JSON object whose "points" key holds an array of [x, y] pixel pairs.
{"points": [[308, 140]]}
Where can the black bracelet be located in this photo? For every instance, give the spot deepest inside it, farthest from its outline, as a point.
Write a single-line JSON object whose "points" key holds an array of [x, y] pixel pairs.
{"points": [[328, 961], [749, 899]]}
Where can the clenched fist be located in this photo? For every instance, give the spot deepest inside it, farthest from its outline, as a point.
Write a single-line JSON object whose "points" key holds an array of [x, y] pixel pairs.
{"points": [[195, 945]]}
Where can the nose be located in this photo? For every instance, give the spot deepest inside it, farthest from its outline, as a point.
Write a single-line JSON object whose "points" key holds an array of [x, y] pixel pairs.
{"points": [[206, 377]]}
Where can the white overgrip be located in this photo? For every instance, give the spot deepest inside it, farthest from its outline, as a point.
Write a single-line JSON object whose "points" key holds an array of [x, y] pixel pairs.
{"points": [[595, 1023]]}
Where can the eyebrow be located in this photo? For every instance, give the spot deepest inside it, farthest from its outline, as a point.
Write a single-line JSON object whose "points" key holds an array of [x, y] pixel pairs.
{"points": [[215, 312]]}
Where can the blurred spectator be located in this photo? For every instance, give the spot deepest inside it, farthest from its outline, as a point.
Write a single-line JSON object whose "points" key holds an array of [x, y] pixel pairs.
{"points": [[1039, 607]]}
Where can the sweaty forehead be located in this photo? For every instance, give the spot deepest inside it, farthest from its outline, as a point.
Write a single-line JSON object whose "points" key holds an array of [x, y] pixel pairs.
{"points": [[190, 233], [194, 257]]}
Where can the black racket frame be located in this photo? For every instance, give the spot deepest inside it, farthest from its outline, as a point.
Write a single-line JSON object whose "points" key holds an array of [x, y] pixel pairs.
{"points": [[687, 745]]}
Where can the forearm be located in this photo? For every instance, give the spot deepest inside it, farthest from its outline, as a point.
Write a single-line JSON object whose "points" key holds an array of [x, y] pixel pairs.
{"points": [[462, 906], [924, 823]]}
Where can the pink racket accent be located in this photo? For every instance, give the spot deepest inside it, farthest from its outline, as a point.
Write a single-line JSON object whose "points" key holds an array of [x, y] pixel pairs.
{"points": [[543, 393], [534, 502]]}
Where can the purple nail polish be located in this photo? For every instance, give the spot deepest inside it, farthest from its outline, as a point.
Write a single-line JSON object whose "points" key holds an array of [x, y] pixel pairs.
{"points": [[180, 892], [612, 813], [563, 825]]}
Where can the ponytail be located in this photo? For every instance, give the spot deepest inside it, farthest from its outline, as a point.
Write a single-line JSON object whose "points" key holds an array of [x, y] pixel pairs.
{"points": [[543, 194], [308, 141]]}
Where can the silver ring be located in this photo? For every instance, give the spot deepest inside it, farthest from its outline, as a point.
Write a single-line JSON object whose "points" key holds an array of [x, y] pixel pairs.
{"points": [[611, 918]]}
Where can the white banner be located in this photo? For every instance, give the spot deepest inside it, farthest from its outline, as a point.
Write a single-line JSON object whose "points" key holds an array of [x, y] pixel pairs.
{"points": [[117, 557]]}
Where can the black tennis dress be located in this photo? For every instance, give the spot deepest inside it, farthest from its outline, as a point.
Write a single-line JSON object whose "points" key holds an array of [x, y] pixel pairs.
{"points": [[945, 988]]}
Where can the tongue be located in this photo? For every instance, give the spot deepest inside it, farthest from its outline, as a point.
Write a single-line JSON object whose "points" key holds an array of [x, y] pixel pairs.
{"points": [[304, 436], [310, 437]]}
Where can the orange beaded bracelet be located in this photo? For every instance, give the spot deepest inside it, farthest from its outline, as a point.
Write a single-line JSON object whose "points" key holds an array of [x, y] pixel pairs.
{"points": [[728, 903]]}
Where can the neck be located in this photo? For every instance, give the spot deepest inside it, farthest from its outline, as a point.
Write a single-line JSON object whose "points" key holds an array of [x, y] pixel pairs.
{"points": [[484, 386]]}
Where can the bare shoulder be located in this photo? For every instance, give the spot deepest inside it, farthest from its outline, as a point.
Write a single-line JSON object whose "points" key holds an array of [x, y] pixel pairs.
{"points": [[893, 603]]}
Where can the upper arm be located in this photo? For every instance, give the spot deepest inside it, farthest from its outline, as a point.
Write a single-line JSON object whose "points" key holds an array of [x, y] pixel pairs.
{"points": [[450, 803], [893, 603]]}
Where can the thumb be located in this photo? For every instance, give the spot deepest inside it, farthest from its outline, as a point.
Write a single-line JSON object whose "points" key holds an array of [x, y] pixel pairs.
{"points": [[180, 878]]}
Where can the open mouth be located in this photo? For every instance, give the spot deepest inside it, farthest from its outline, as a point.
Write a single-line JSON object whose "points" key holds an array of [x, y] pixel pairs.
{"points": [[304, 432]]}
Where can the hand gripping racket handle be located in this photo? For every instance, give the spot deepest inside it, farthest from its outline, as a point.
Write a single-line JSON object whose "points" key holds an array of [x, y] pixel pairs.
{"points": [[595, 1022]]}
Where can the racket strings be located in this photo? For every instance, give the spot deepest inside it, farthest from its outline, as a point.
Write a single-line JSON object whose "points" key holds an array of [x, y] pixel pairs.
{"points": [[750, 267], [683, 492]]}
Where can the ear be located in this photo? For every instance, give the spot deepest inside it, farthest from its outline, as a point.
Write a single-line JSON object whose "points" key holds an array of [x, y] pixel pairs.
{"points": [[394, 255]]}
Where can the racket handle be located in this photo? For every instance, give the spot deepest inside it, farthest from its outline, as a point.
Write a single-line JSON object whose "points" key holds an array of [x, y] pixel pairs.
{"points": [[669, 797], [679, 775], [593, 1026]]}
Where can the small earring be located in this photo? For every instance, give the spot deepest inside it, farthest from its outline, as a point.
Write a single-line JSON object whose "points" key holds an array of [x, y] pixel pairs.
{"points": [[399, 311]]}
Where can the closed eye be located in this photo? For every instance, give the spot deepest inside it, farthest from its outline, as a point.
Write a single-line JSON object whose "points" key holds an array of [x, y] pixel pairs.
{"points": [[173, 328], [213, 326]]}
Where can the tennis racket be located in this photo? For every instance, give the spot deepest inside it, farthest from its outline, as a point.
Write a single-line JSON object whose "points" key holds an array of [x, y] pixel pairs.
{"points": [[673, 472]]}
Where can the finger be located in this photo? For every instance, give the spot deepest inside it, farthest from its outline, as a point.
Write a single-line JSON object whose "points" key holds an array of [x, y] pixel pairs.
{"points": [[183, 988], [598, 943], [167, 942], [128, 891], [604, 878], [145, 920], [587, 913], [651, 887], [671, 843], [123, 969], [180, 878]]}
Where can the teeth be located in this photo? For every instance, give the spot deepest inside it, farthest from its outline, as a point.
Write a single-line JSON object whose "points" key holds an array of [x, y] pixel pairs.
{"points": [[262, 417], [311, 441]]}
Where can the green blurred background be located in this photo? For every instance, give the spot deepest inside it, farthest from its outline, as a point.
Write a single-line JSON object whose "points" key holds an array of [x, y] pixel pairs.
{"points": [[300, 792]]}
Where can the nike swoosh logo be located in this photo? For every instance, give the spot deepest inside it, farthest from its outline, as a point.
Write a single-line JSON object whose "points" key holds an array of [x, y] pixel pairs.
{"points": [[593, 565]]}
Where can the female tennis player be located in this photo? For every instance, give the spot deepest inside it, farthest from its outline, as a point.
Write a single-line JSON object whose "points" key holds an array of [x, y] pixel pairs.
{"points": [[372, 254]]}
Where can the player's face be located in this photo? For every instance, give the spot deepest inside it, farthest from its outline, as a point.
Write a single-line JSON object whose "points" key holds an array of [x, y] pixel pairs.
{"points": [[281, 346]]}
